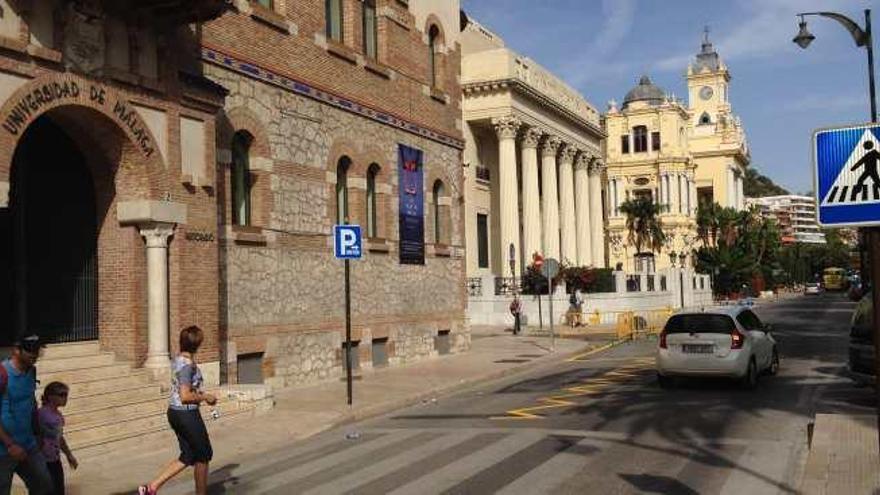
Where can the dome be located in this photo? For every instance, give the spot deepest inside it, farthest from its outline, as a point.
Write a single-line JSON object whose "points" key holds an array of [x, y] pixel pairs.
{"points": [[646, 91]]}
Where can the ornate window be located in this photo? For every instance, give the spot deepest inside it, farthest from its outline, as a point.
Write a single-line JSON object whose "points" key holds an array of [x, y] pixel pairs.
{"points": [[640, 138], [240, 178], [433, 35], [705, 119], [342, 167], [371, 44], [655, 141], [624, 144], [482, 240], [372, 215], [333, 19]]}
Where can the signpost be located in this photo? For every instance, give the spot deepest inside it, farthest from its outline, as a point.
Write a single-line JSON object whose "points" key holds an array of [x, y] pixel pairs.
{"points": [[347, 245], [847, 185], [549, 269], [538, 260]]}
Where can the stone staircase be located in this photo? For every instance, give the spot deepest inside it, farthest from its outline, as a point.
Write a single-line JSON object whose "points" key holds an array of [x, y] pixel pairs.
{"points": [[110, 402]]}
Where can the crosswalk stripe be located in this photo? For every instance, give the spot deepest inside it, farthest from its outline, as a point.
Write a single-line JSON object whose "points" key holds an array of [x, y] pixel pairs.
{"points": [[544, 478], [709, 473], [833, 194], [760, 469], [378, 468], [358, 449], [469, 464], [413, 471]]}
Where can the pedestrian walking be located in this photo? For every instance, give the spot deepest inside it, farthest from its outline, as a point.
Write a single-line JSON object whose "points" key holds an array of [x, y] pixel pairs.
{"points": [[52, 433], [185, 418], [19, 450]]}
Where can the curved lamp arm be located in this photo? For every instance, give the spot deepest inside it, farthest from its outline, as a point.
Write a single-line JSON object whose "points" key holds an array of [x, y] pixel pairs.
{"points": [[859, 36]]}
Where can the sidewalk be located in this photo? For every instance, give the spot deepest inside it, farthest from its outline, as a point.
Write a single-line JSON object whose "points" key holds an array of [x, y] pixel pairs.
{"points": [[843, 456], [305, 411]]}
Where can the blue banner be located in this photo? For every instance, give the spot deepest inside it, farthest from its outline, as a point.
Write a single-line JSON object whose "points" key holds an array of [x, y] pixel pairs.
{"points": [[411, 217]]}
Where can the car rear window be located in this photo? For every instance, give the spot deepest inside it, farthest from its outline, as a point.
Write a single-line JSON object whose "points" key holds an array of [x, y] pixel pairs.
{"points": [[699, 323]]}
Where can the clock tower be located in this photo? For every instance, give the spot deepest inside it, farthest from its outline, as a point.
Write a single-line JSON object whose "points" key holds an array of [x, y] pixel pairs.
{"points": [[708, 81]]}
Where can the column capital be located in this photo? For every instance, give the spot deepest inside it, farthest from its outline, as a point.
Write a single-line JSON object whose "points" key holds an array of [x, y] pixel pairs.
{"points": [[582, 162], [597, 166], [530, 137], [506, 127], [550, 145], [567, 153], [156, 234]]}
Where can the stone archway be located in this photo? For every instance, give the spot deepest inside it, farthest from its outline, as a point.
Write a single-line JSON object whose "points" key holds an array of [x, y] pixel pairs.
{"points": [[105, 139]]}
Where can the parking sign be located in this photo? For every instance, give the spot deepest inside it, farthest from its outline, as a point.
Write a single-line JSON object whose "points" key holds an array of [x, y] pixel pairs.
{"points": [[347, 242], [847, 181]]}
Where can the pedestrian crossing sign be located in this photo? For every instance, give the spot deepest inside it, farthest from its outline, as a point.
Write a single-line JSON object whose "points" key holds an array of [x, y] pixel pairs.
{"points": [[847, 181]]}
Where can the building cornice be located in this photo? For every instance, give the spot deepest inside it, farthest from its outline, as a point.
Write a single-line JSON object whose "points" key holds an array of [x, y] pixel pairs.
{"points": [[513, 84], [316, 92]]}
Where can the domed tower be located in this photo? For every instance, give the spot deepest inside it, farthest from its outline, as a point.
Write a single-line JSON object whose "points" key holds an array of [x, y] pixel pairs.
{"points": [[647, 157]]}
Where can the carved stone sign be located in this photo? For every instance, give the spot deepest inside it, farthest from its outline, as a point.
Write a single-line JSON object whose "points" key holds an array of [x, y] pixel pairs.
{"points": [[77, 91], [196, 236]]}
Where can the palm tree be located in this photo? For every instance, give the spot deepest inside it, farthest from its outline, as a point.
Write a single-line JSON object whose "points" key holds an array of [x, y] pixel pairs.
{"points": [[643, 223]]}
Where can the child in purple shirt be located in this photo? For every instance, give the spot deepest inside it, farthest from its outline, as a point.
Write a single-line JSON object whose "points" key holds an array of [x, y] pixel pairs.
{"points": [[52, 433]]}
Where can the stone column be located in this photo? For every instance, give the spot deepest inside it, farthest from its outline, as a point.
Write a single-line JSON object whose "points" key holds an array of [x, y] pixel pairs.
{"points": [[156, 237], [566, 196], [508, 199], [551, 197], [740, 198], [597, 236], [695, 202], [582, 210], [730, 188], [531, 199]]}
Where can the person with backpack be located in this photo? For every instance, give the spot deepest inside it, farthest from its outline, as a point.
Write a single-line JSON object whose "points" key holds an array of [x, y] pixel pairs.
{"points": [[19, 449], [185, 418], [52, 433]]}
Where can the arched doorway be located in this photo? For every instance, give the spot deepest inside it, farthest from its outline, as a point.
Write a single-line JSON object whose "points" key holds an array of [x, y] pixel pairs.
{"points": [[48, 260]]}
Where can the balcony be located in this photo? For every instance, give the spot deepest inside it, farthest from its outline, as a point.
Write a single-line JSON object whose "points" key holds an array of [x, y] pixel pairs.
{"points": [[166, 12]]}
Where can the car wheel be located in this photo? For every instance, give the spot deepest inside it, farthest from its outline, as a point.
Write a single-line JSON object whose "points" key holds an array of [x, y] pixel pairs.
{"points": [[750, 381], [665, 381], [774, 363]]}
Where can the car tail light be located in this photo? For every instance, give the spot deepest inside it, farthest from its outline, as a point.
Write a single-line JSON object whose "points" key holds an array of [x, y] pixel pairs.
{"points": [[663, 340], [737, 339]]}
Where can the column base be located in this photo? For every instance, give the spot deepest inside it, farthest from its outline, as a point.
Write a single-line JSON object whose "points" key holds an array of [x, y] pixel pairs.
{"points": [[160, 367]]}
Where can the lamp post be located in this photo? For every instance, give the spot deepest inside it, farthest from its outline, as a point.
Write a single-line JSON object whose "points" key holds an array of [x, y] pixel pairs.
{"points": [[515, 307], [862, 38]]}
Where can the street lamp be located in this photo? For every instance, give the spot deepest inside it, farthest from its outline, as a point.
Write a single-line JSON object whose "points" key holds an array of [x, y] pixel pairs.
{"points": [[672, 257], [682, 258], [862, 38]]}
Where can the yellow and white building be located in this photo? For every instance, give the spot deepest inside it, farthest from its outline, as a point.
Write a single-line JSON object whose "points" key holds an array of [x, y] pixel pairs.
{"points": [[678, 154]]}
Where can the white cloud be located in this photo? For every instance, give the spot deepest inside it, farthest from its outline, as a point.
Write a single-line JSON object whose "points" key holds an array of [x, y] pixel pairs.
{"points": [[826, 103], [597, 60]]}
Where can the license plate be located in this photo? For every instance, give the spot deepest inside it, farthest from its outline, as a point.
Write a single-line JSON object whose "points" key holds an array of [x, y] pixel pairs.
{"points": [[698, 348]]}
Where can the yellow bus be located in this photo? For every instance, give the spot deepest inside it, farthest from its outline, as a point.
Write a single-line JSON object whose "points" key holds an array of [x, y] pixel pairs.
{"points": [[834, 278]]}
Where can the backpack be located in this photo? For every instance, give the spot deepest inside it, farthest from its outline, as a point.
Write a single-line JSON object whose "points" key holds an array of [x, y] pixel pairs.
{"points": [[4, 380]]}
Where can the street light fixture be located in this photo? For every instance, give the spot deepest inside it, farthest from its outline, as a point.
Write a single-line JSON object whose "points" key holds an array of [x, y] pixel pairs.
{"points": [[682, 258], [672, 257], [862, 38]]}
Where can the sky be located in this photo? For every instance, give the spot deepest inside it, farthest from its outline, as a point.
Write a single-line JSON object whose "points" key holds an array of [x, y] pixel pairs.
{"points": [[781, 92]]}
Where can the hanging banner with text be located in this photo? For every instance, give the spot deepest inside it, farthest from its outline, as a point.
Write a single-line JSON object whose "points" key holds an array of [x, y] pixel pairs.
{"points": [[412, 210]]}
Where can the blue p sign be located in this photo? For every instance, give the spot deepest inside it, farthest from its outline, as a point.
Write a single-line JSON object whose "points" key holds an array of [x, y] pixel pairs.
{"points": [[347, 241]]}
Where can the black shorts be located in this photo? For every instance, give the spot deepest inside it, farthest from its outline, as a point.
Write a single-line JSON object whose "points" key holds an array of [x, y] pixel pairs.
{"points": [[195, 446]]}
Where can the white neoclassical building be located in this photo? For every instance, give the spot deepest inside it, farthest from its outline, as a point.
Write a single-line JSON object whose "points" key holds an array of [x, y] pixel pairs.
{"points": [[533, 169]]}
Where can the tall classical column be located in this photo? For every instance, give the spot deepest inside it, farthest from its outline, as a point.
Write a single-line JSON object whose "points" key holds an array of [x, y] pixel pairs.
{"points": [[695, 201], [156, 237], [551, 196], [740, 198], [730, 186], [566, 196], [582, 210], [508, 195], [597, 236], [531, 199], [673, 182]]}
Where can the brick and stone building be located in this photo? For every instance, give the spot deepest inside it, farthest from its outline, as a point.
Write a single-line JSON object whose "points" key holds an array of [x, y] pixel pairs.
{"points": [[165, 164]]}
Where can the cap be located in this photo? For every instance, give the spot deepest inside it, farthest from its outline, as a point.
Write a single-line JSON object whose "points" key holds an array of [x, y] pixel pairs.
{"points": [[30, 343]]}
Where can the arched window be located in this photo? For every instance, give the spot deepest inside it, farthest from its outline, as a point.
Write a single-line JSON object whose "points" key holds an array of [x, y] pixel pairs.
{"points": [[372, 216], [342, 167], [438, 217], [240, 178], [368, 22], [705, 119], [433, 35], [333, 19], [640, 138]]}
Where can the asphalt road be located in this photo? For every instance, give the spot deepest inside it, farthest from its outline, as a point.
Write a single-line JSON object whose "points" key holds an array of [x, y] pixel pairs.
{"points": [[598, 424]]}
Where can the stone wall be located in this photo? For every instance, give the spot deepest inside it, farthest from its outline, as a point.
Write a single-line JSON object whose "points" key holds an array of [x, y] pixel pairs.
{"points": [[301, 358]]}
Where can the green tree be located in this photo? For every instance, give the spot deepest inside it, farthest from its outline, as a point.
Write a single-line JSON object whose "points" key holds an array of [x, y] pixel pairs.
{"points": [[643, 224], [756, 185]]}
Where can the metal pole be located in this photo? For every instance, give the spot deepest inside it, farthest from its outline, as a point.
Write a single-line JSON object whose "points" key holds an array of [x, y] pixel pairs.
{"points": [[874, 236], [540, 315], [550, 296], [870, 48], [348, 332]]}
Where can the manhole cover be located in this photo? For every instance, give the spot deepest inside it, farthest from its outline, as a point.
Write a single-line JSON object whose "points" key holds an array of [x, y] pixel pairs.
{"points": [[512, 361]]}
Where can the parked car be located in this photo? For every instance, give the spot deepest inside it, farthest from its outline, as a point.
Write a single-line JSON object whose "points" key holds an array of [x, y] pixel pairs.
{"points": [[812, 289], [726, 341], [861, 341]]}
